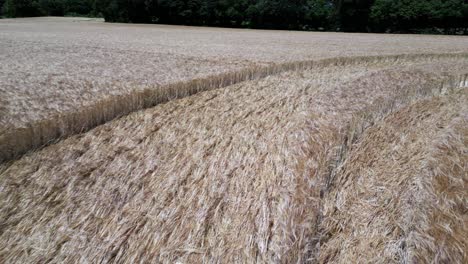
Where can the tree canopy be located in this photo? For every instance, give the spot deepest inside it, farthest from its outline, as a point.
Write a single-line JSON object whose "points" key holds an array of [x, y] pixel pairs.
{"points": [[432, 16]]}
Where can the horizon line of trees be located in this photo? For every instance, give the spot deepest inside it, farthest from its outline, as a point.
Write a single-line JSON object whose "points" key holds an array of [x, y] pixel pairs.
{"points": [[403, 16]]}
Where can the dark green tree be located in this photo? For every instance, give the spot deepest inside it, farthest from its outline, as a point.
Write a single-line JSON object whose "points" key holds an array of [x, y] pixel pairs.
{"points": [[21, 8], [134, 11], [411, 15], [1, 7], [276, 14], [52, 7], [318, 14], [438, 16], [80, 7], [352, 15]]}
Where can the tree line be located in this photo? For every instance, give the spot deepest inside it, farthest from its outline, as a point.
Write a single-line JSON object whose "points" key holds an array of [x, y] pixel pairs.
{"points": [[426, 16], [30, 8]]}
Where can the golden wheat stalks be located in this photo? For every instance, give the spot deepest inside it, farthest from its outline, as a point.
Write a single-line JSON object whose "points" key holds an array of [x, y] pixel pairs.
{"points": [[400, 193], [228, 175], [15, 141]]}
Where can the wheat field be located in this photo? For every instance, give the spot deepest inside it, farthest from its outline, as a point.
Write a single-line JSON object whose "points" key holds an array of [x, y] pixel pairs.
{"points": [[295, 152], [410, 208], [62, 76]]}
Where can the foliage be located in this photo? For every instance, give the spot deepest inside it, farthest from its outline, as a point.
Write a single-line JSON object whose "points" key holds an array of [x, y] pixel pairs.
{"points": [[80, 7], [361, 15], [52, 7], [405, 15], [295, 14], [20, 8], [27, 8], [440, 16]]}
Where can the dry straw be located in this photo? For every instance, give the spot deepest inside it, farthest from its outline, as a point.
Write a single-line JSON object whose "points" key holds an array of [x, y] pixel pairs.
{"points": [[401, 192], [17, 141], [239, 174]]}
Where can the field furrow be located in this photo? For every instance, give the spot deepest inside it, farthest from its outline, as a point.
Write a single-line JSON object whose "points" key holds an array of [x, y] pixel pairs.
{"points": [[401, 193], [62, 76], [228, 175]]}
